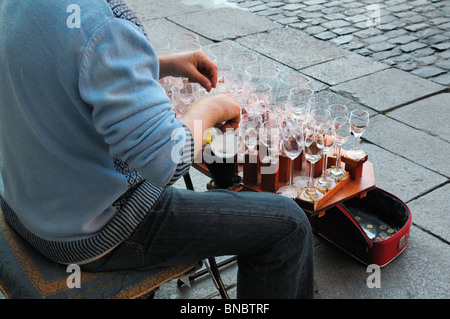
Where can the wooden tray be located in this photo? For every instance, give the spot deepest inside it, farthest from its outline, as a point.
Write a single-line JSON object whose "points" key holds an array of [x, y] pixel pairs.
{"points": [[348, 189]]}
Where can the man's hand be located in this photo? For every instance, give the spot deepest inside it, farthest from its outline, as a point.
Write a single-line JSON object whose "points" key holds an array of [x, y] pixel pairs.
{"points": [[219, 110], [196, 66]]}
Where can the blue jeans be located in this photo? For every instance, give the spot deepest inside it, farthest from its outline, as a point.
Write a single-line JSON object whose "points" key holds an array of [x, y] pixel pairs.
{"points": [[269, 233]]}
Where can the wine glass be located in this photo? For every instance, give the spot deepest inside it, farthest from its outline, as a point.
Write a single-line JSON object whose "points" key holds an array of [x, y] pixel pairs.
{"points": [[250, 125], [188, 93], [292, 143], [320, 116], [341, 130], [301, 94], [300, 111], [269, 136], [324, 182], [319, 102], [294, 80], [313, 148], [359, 120], [263, 73], [337, 110]]}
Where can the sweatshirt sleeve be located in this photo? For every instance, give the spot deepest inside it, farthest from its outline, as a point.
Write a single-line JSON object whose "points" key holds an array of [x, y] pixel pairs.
{"points": [[118, 79]]}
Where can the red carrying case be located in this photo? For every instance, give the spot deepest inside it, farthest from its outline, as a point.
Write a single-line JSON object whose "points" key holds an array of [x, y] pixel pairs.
{"points": [[373, 229]]}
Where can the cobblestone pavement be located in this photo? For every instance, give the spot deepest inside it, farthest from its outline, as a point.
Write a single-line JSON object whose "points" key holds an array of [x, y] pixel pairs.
{"points": [[413, 36]]}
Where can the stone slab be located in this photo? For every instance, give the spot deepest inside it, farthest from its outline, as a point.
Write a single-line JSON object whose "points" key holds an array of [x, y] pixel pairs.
{"points": [[292, 47], [388, 89], [343, 69], [157, 29], [417, 273], [417, 146], [336, 98], [316, 85], [436, 121], [398, 175], [430, 212], [224, 23], [155, 9]]}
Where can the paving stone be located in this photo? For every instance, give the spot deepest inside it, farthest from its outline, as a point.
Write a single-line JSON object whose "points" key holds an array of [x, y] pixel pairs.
{"points": [[397, 174], [224, 23], [428, 71], [395, 33], [427, 32], [434, 123], [437, 21], [403, 39], [426, 60], [367, 33], [375, 39], [445, 26], [412, 46], [386, 54], [423, 52], [430, 210], [314, 2], [158, 29], [299, 25], [387, 89], [342, 39], [407, 66], [444, 64], [292, 47], [287, 20], [155, 9], [293, 6], [356, 18], [352, 45], [410, 275], [438, 38], [258, 8], [327, 35], [441, 46], [344, 69], [399, 8], [415, 145], [416, 27], [443, 79], [315, 29], [445, 54], [334, 16], [336, 24], [351, 105], [332, 10], [380, 46], [344, 30]]}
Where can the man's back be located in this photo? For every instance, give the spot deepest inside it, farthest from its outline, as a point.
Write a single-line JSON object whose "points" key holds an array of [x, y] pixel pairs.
{"points": [[74, 98]]}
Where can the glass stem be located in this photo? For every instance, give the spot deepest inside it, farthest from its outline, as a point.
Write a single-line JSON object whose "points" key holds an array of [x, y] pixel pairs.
{"points": [[291, 171], [324, 165], [358, 138], [303, 165], [338, 157], [311, 175]]}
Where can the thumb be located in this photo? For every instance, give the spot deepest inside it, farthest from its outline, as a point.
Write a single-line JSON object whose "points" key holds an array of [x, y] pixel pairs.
{"points": [[198, 77]]}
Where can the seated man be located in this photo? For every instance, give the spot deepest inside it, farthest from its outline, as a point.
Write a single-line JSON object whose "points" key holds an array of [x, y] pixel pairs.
{"points": [[89, 147]]}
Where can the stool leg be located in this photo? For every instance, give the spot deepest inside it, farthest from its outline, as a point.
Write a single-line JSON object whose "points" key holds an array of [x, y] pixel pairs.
{"points": [[188, 181], [217, 279]]}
